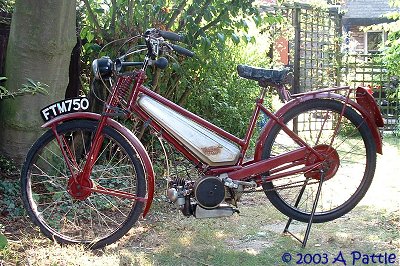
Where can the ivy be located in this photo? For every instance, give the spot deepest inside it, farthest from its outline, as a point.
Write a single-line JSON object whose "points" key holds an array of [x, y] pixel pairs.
{"points": [[9, 188], [32, 87]]}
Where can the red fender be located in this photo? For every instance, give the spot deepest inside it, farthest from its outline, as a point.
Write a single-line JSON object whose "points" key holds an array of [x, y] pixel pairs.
{"points": [[365, 105], [143, 155]]}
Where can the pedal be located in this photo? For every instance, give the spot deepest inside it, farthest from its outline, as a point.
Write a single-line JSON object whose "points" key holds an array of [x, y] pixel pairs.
{"points": [[221, 211]]}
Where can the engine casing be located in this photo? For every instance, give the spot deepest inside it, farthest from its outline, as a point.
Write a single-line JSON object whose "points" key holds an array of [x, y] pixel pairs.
{"points": [[209, 192]]}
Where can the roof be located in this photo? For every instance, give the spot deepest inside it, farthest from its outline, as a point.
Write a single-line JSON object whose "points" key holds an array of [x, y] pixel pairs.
{"points": [[367, 12]]}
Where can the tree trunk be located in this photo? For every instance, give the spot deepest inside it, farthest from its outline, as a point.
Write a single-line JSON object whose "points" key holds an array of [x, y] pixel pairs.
{"points": [[41, 39]]}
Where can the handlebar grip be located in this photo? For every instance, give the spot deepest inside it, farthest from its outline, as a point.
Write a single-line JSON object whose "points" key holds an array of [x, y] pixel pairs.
{"points": [[172, 36], [182, 50]]}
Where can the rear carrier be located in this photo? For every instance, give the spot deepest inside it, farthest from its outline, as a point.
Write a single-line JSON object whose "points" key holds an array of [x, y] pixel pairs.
{"points": [[210, 147]]}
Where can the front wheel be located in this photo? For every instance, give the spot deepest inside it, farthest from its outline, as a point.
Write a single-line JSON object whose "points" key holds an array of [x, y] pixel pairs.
{"points": [[350, 154], [56, 203]]}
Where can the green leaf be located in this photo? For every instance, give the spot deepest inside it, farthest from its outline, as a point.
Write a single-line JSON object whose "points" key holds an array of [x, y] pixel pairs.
{"points": [[189, 19], [221, 37], [208, 15], [3, 242], [89, 36], [87, 46], [206, 42], [83, 33], [99, 10], [3, 90], [176, 66], [246, 38], [235, 38], [257, 20], [244, 24], [95, 47]]}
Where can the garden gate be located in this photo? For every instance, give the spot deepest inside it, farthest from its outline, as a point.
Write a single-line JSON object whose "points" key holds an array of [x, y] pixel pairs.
{"points": [[318, 62], [368, 71]]}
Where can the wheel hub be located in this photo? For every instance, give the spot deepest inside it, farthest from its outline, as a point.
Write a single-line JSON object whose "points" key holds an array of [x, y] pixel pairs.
{"points": [[79, 190], [329, 165]]}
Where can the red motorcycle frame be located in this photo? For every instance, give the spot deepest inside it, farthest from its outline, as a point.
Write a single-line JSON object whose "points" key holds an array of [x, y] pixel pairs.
{"points": [[364, 104], [123, 99]]}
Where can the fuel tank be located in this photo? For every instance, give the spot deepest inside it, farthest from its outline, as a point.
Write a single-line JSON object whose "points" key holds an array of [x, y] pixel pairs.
{"points": [[208, 146]]}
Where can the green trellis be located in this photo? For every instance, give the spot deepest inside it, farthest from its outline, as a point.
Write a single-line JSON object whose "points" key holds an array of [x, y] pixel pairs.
{"points": [[318, 62]]}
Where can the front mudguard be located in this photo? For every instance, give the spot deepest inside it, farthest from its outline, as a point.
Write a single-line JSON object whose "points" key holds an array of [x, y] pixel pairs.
{"points": [[135, 142], [364, 104]]}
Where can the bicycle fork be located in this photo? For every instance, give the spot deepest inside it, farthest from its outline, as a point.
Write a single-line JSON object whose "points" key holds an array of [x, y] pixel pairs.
{"points": [[80, 185]]}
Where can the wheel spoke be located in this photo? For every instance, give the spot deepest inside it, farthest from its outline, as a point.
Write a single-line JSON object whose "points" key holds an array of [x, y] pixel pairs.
{"points": [[349, 160], [53, 196]]}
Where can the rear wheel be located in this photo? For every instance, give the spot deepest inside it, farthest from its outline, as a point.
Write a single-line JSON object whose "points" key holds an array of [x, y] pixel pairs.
{"points": [[57, 204], [349, 165]]}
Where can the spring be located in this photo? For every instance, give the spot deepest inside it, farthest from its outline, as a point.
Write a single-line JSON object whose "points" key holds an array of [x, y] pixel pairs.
{"points": [[123, 86]]}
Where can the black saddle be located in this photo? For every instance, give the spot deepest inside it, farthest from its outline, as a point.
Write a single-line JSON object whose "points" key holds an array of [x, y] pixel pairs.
{"points": [[274, 76]]}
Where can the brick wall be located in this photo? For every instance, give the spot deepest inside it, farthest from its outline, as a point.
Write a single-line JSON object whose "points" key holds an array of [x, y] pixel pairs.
{"points": [[357, 35]]}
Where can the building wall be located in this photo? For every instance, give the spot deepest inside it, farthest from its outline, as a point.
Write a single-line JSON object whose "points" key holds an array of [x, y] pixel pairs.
{"points": [[356, 39]]}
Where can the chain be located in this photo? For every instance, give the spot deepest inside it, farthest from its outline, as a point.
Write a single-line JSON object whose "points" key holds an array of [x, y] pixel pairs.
{"points": [[255, 190]]}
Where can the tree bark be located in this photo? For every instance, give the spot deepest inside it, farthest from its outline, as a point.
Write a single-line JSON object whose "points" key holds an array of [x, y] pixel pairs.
{"points": [[178, 10], [41, 39]]}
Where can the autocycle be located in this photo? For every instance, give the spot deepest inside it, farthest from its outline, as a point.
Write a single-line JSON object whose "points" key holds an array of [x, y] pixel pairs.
{"points": [[89, 179]]}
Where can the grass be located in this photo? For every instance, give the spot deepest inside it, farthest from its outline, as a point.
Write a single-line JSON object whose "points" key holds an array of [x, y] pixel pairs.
{"points": [[254, 237]]}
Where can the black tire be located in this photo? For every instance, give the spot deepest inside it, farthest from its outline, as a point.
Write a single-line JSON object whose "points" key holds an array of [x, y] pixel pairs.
{"points": [[356, 150], [98, 220]]}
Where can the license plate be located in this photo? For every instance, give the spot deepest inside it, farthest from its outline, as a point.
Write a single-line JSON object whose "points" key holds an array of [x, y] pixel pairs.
{"points": [[64, 107]]}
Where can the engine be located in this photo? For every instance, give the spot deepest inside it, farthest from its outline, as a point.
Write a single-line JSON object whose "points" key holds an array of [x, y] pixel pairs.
{"points": [[204, 198], [209, 192]]}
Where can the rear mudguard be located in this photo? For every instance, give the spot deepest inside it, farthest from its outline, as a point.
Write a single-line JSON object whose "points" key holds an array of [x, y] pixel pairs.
{"points": [[142, 153], [364, 104]]}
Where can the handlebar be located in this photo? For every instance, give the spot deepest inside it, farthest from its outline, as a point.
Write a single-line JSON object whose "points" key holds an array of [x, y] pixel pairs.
{"points": [[154, 40], [172, 36], [104, 66], [182, 51], [161, 63]]}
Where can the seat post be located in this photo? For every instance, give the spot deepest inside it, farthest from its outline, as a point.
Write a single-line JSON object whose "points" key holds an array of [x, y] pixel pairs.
{"points": [[284, 95]]}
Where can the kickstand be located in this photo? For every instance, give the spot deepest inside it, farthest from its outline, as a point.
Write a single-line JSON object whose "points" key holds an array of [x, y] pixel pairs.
{"points": [[314, 207]]}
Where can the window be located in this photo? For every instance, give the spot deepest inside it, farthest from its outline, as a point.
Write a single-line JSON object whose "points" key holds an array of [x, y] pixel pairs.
{"points": [[374, 40]]}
